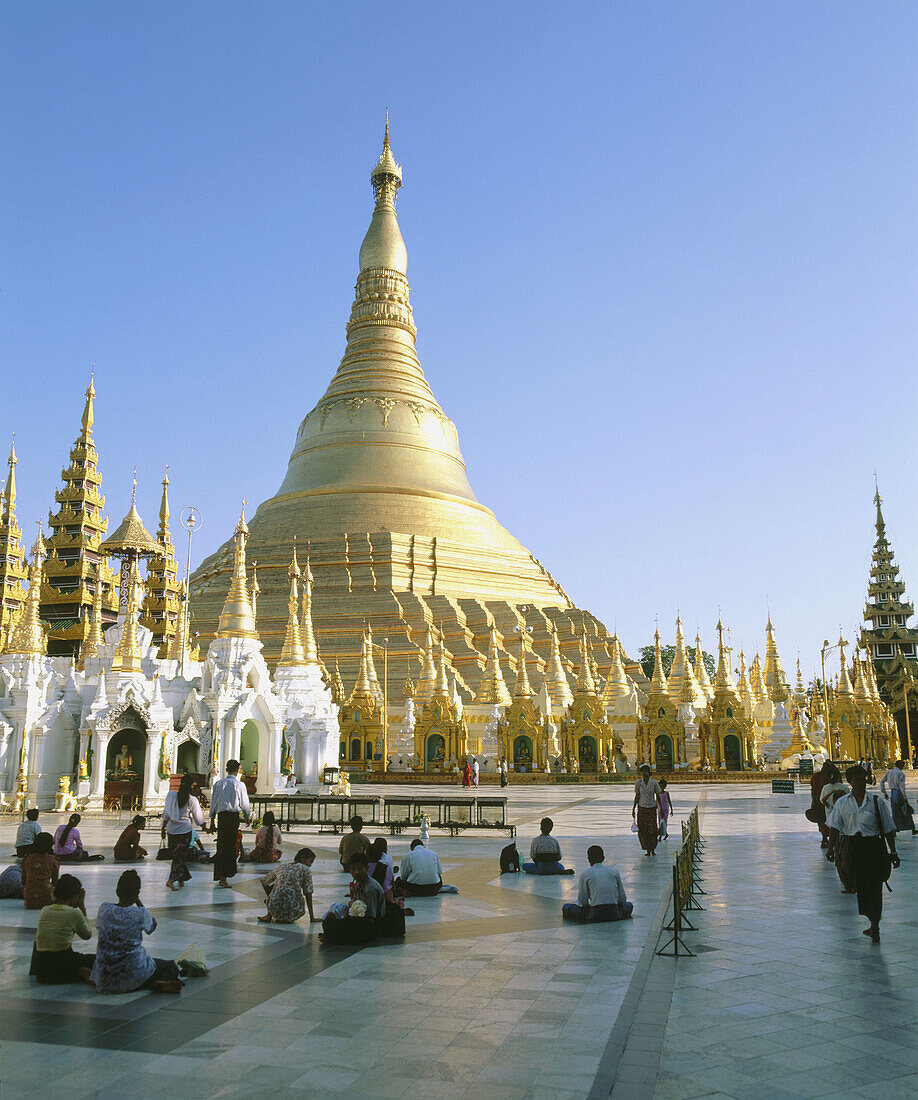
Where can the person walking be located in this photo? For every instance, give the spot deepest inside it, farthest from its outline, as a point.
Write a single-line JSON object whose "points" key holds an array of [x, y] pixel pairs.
{"points": [[181, 813], [647, 807], [476, 771], [228, 801], [868, 823], [893, 786], [466, 773], [504, 772]]}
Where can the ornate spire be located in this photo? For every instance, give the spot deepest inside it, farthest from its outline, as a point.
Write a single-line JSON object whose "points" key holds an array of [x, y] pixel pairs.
{"points": [[441, 687], [559, 688], [680, 673], [617, 685], [493, 687], [861, 691], [383, 246], [94, 637], [337, 686], [178, 643], [701, 672], [744, 688], [844, 681], [238, 618], [292, 655], [310, 648], [723, 681], [363, 689], [658, 685], [799, 687], [9, 493], [371, 668], [428, 677], [586, 685], [522, 689], [13, 570], [880, 522], [255, 590], [162, 609], [775, 679], [758, 682], [163, 533], [87, 418], [127, 652], [28, 637]]}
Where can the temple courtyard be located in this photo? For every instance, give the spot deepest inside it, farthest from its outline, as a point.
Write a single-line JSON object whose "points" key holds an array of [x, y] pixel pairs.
{"points": [[490, 994]]}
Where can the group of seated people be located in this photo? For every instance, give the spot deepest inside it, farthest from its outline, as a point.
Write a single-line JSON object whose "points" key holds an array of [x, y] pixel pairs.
{"points": [[600, 894], [420, 875]]}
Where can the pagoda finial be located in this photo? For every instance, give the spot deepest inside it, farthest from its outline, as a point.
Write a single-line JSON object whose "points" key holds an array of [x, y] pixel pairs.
{"points": [[701, 672], [163, 532], [878, 501], [723, 681], [844, 680], [441, 687], [383, 246], [559, 688], [586, 685], [9, 494], [493, 688], [237, 619], [310, 647], [94, 638], [658, 684], [617, 685], [428, 677], [127, 652], [87, 419]]}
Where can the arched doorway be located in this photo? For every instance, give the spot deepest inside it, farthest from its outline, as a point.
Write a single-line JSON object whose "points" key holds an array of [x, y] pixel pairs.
{"points": [[586, 753], [663, 752], [248, 748], [522, 753], [187, 757], [369, 750], [355, 748], [733, 753], [435, 749], [125, 764]]}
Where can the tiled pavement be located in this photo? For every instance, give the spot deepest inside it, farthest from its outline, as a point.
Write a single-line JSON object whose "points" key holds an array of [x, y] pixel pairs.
{"points": [[490, 994]]}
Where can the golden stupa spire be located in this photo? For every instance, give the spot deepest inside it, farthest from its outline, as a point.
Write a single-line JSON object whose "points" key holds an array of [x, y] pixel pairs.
{"points": [[87, 418], [428, 676], [292, 655], [871, 679], [617, 685], [307, 631], [127, 652], [238, 619], [178, 642], [363, 688], [94, 638], [658, 685], [844, 680], [493, 687], [371, 667], [163, 533], [861, 691], [13, 569], [775, 679], [255, 589], [522, 688], [723, 681], [744, 688], [441, 687], [9, 493], [336, 687], [756, 680], [800, 687], [28, 636], [586, 685], [681, 673], [701, 673], [559, 687]]}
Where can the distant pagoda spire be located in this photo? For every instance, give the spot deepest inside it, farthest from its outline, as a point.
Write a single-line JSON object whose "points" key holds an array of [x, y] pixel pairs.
{"points": [[371, 667], [617, 684], [178, 643], [493, 686], [844, 686], [162, 608], [307, 630], [757, 680], [744, 688], [28, 637], [775, 679], [559, 687], [75, 560], [682, 674], [94, 639], [723, 681], [585, 685], [363, 688], [238, 619], [658, 685], [701, 673], [292, 655], [441, 686], [522, 688], [428, 677], [13, 569]]}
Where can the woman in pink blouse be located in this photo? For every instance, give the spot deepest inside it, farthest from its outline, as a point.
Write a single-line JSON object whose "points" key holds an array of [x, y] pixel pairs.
{"points": [[68, 845]]}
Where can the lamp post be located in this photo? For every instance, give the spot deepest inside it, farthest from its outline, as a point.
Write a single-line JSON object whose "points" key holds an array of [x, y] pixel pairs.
{"points": [[825, 694], [192, 521], [385, 705]]}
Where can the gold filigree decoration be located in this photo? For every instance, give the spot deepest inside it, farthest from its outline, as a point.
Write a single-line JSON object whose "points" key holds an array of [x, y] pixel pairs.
{"points": [[353, 405], [385, 406]]}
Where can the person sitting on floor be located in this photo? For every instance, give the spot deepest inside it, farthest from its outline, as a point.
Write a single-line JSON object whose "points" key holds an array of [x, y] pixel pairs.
{"points": [[127, 846], [288, 890], [352, 843], [40, 869], [545, 853], [268, 842], [54, 962], [600, 895], [420, 874], [379, 868], [26, 833], [122, 965], [11, 883], [356, 921], [68, 845]]}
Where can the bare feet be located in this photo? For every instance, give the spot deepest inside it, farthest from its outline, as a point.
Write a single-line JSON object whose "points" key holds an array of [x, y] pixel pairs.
{"points": [[266, 919], [222, 882], [167, 987], [172, 885], [873, 933], [84, 973]]}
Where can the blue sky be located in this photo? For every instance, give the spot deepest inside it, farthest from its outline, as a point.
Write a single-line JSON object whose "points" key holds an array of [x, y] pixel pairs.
{"points": [[662, 256]]}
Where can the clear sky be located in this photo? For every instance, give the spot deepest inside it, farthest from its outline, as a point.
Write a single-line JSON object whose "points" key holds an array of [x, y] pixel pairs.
{"points": [[663, 264]]}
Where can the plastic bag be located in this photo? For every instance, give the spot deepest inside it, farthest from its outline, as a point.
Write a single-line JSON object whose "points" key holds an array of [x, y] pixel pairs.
{"points": [[634, 827], [192, 962]]}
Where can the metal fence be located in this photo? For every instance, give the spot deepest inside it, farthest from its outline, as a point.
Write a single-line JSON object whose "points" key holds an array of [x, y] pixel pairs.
{"points": [[686, 887]]}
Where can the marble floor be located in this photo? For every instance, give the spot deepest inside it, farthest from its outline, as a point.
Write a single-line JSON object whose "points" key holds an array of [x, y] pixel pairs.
{"points": [[490, 995]]}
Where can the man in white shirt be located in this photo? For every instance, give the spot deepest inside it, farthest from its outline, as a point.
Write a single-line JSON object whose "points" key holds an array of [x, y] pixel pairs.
{"points": [[600, 895], [228, 800], [420, 874], [893, 785], [868, 821], [545, 853]]}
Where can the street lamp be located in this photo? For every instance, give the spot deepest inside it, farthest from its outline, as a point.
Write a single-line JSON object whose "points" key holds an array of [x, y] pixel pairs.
{"points": [[840, 644], [192, 521]]}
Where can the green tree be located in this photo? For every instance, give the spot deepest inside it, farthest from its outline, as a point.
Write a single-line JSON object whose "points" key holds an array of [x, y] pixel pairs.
{"points": [[667, 652]]}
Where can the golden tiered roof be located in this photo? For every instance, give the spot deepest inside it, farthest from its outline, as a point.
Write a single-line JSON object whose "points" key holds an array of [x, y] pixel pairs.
{"points": [[162, 608], [238, 619], [493, 686], [75, 559]]}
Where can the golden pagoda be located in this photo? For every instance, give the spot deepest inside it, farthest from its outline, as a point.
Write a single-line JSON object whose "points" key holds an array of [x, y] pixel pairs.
{"points": [[589, 743], [75, 560], [28, 635], [377, 482], [493, 689], [441, 735], [660, 732], [727, 734], [13, 569], [360, 718], [521, 733], [775, 680], [162, 608]]}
